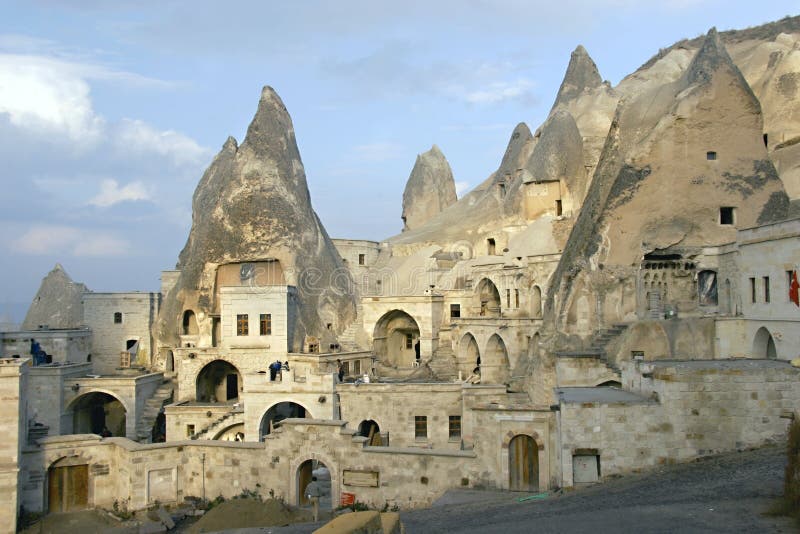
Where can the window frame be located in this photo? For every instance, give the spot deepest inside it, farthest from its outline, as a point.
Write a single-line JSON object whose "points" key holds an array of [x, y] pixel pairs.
{"points": [[421, 427], [265, 324], [117, 318], [242, 324], [454, 427]]}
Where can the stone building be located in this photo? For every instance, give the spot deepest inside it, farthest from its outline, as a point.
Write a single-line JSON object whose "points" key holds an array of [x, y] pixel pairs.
{"points": [[619, 294]]}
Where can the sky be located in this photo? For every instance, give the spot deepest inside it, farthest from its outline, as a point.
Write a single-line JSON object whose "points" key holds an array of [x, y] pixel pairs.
{"points": [[111, 110]]}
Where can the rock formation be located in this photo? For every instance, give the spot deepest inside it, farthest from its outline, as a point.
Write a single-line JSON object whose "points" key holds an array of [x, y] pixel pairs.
{"points": [[58, 303], [252, 204], [581, 76], [429, 190]]}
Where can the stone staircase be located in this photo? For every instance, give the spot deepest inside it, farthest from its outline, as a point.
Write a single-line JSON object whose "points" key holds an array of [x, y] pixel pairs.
{"points": [[233, 417], [347, 339], [443, 364], [152, 407], [600, 341]]}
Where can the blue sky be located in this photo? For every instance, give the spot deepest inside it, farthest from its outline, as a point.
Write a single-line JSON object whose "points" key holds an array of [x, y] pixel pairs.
{"points": [[111, 110]]}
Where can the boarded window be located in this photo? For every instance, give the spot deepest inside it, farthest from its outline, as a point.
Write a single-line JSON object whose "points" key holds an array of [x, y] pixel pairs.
{"points": [[242, 325], [752, 289], [711, 155], [455, 311], [117, 317], [454, 426], [508, 298], [189, 431], [265, 324], [420, 426], [516, 298], [409, 341]]}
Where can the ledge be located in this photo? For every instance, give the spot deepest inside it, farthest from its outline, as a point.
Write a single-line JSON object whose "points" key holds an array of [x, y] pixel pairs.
{"points": [[415, 451]]}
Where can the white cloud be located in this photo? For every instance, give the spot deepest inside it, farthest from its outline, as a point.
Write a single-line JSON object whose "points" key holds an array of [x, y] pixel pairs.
{"points": [[497, 92], [378, 151], [111, 193], [461, 188], [135, 135], [58, 239]]}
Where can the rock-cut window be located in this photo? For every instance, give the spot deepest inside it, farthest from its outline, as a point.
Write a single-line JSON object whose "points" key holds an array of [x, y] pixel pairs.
{"points": [[117, 317]]}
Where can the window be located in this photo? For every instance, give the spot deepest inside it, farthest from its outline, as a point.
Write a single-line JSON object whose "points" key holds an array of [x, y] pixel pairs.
{"points": [[766, 140], [189, 431], [502, 187], [559, 209], [711, 155], [357, 367], [421, 427], [346, 368], [752, 289], [490, 246], [265, 324], [362, 259], [726, 215], [117, 317], [242, 325], [455, 311], [508, 298], [409, 341], [516, 298], [454, 426], [766, 289]]}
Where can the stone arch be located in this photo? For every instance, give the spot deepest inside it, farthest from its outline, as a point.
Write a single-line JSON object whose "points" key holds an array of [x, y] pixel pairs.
{"points": [[495, 368], [231, 433], [764, 345], [95, 411], [278, 412], [469, 355], [487, 299], [302, 476], [396, 339], [647, 337], [68, 488], [370, 429], [218, 381], [536, 302], [189, 324]]}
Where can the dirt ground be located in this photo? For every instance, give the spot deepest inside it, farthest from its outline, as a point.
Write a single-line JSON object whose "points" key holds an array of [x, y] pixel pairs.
{"points": [[82, 522], [247, 513]]}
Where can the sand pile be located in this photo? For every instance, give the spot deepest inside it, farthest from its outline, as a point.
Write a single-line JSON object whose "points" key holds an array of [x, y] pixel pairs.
{"points": [[248, 513]]}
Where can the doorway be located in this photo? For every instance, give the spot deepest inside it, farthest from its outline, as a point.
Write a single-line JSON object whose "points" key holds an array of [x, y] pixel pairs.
{"points": [[68, 488], [523, 464], [232, 386]]}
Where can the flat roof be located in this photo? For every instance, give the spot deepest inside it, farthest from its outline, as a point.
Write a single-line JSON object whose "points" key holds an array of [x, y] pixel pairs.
{"points": [[610, 395]]}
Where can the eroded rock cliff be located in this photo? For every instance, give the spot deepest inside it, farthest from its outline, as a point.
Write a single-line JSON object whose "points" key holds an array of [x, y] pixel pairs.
{"points": [[429, 190], [58, 303]]}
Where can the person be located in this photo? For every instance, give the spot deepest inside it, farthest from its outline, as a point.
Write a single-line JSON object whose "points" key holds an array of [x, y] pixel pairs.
{"points": [[340, 369], [106, 433], [475, 378], [416, 350], [274, 367], [313, 493]]}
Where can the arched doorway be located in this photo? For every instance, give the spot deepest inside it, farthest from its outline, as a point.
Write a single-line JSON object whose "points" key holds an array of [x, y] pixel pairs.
{"points": [[68, 485], [307, 470], [98, 413], [487, 299], [279, 412], [218, 381], [469, 355], [231, 433], [523, 464], [370, 430], [764, 345], [190, 324], [536, 302], [396, 339], [495, 368]]}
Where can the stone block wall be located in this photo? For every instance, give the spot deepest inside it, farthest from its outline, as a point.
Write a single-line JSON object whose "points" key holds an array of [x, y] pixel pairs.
{"points": [[13, 375], [138, 311], [65, 346], [698, 408]]}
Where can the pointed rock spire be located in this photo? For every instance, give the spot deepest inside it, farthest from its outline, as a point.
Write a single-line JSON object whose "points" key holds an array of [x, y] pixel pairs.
{"points": [[58, 303], [581, 75], [429, 190]]}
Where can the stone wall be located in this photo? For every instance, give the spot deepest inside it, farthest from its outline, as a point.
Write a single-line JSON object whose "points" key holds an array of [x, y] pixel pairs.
{"points": [[253, 302], [65, 346], [702, 408], [13, 387], [109, 338]]}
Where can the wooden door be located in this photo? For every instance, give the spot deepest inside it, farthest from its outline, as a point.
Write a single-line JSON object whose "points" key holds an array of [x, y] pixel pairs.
{"points": [[523, 464], [304, 479], [68, 488]]}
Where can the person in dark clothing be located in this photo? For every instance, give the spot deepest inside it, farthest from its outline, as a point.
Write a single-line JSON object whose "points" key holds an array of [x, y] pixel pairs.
{"points": [[416, 349], [340, 369], [274, 369]]}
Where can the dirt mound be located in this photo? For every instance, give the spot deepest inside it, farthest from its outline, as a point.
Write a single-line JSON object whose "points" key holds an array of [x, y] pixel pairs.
{"points": [[248, 513]]}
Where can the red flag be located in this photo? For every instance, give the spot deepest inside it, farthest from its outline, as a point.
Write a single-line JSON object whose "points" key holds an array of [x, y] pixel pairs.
{"points": [[794, 289]]}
